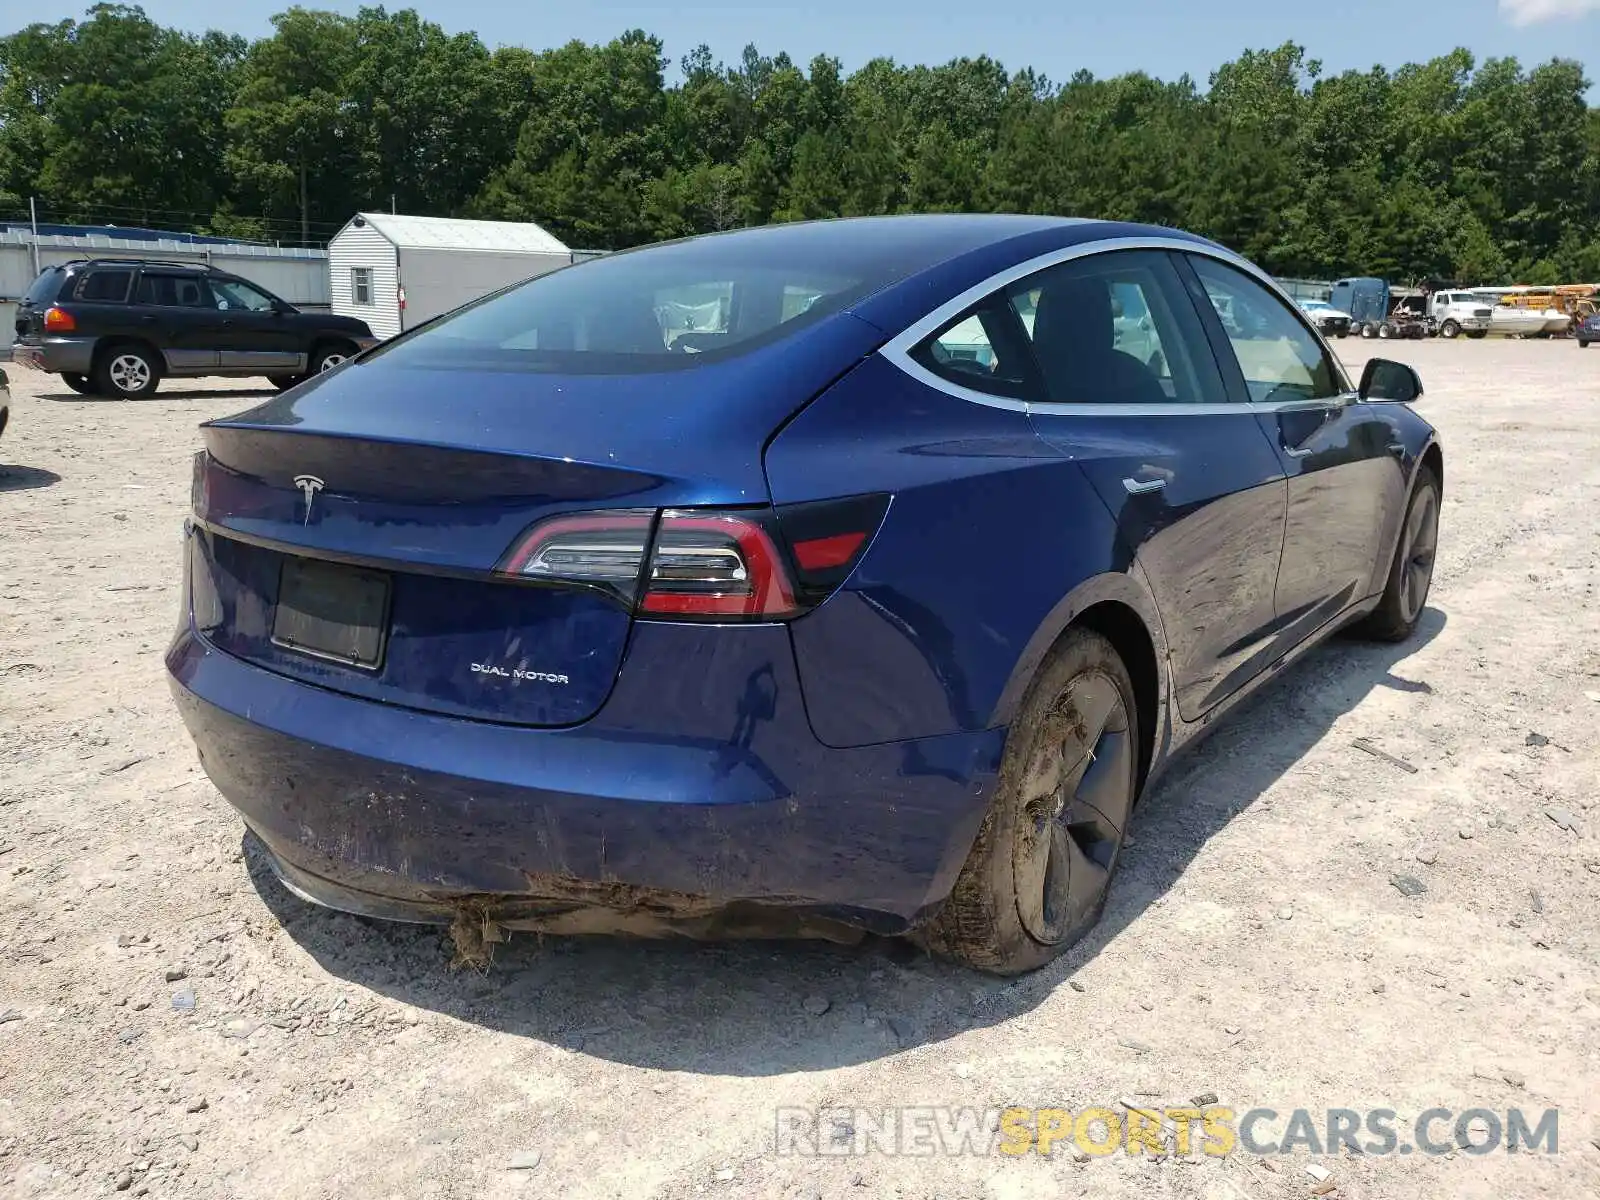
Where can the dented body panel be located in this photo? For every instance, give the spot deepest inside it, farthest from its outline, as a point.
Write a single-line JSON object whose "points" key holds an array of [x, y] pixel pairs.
{"points": [[701, 778]]}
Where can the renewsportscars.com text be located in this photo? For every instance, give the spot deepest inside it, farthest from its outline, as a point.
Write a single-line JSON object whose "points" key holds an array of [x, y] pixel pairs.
{"points": [[1212, 1131]]}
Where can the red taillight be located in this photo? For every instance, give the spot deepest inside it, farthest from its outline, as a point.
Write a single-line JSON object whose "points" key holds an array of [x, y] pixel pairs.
{"points": [[703, 563], [604, 550], [58, 320], [716, 565], [823, 553]]}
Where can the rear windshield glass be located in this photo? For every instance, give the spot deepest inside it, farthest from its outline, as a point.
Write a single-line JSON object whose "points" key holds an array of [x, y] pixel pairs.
{"points": [[664, 308], [44, 288]]}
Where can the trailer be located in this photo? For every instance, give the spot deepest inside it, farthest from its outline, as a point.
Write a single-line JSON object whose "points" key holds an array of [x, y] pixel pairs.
{"points": [[1375, 310]]}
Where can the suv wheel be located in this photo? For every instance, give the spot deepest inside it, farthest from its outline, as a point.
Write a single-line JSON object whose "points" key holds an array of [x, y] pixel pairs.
{"points": [[78, 383], [129, 372], [326, 358]]}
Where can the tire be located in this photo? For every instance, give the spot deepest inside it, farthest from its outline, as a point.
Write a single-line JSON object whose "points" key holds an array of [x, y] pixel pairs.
{"points": [[1366, 330], [1386, 331], [1478, 334], [284, 382], [328, 356], [1450, 329], [127, 372], [1411, 573], [1038, 873], [1582, 345], [78, 383]]}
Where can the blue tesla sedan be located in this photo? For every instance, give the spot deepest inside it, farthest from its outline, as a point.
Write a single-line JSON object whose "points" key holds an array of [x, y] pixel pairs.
{"points": [[817, 579]]}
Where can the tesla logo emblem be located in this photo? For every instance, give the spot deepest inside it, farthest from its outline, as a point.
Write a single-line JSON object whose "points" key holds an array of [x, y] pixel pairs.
{"points": [[309, 486]]}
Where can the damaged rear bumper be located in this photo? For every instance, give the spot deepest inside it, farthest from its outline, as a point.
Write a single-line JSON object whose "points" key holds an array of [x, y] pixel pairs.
{"points": [[697, 801]]}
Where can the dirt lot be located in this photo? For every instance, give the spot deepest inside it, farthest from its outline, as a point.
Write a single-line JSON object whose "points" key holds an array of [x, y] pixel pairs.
{"points": [[1255, 945]]}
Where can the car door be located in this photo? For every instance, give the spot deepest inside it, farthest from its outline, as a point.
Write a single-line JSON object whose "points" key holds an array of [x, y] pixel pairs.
{"points": [[1197, 491], [254, 334], [1344, 459], [174, 308]]}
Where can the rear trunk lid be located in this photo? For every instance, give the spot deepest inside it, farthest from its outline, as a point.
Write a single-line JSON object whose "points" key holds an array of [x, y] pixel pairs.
{"points": [[348, 530]]}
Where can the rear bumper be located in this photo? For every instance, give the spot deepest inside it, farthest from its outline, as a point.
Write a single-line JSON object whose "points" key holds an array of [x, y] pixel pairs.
{"points": [[697, 788], [56, 355]]}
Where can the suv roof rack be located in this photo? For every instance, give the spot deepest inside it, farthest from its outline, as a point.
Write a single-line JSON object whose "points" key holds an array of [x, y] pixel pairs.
{"points": [[139, 262]]}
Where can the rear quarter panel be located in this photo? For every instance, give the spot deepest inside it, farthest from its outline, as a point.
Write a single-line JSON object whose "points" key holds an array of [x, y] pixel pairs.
{"points": [[988, 548]]}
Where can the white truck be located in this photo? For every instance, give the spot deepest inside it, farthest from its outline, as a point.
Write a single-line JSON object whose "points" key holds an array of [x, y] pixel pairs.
{"points": [[1456, 313]]}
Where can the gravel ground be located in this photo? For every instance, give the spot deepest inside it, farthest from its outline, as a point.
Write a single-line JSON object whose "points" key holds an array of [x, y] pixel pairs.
{"points": [[173, 1024]]}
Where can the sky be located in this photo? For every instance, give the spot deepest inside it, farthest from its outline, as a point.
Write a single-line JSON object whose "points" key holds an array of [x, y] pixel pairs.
{"points": [[1167, 38]]}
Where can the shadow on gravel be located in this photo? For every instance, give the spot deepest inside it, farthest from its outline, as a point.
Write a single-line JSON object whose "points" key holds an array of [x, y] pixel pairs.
{"points": [[738, 1008], [25, 479], [70, 397]]}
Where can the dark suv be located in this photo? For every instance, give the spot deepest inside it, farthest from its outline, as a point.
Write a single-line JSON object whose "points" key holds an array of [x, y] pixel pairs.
{"points": [[115, 327]]}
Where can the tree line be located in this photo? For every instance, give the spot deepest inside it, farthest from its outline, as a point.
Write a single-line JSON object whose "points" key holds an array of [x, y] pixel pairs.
{"points": [[1481, 172]]}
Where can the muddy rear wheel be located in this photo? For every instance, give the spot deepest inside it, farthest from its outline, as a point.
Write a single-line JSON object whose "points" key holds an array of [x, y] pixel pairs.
{"points": [[1038, 874]]}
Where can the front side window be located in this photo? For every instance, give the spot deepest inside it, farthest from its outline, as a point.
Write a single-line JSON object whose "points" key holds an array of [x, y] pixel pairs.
{"points": [[237, 294], [1117, 328], [105, 287], [1280, 358], [361, 285]]}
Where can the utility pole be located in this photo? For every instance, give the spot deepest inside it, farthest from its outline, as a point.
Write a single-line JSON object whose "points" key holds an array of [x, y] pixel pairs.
{"points": [[33, 220], [392, 208]]}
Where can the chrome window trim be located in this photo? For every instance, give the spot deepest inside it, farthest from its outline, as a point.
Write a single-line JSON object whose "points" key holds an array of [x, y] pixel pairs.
{"points": [[897, 350]]}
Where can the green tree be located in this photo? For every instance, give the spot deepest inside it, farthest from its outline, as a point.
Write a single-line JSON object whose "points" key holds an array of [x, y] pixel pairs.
{"points": [[115, 118], [1484, 171], [297, 143]]}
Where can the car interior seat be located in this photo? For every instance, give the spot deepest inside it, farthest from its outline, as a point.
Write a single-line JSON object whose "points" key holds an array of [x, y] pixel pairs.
{"points": [[1074, 338]]}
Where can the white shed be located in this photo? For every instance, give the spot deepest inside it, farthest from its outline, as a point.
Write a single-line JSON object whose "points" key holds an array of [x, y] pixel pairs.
{"points": [[395, 272]]}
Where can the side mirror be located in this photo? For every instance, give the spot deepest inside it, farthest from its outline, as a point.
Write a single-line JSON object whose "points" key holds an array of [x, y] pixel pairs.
{"points": [[1384, 379]]}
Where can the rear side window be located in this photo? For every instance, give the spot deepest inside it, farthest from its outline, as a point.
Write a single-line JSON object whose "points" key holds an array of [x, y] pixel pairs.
{"points": [[1118, 328], [45, 288], [986, 349], [173, 291], [105, 287], [664, 308], [1113, 328]]}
